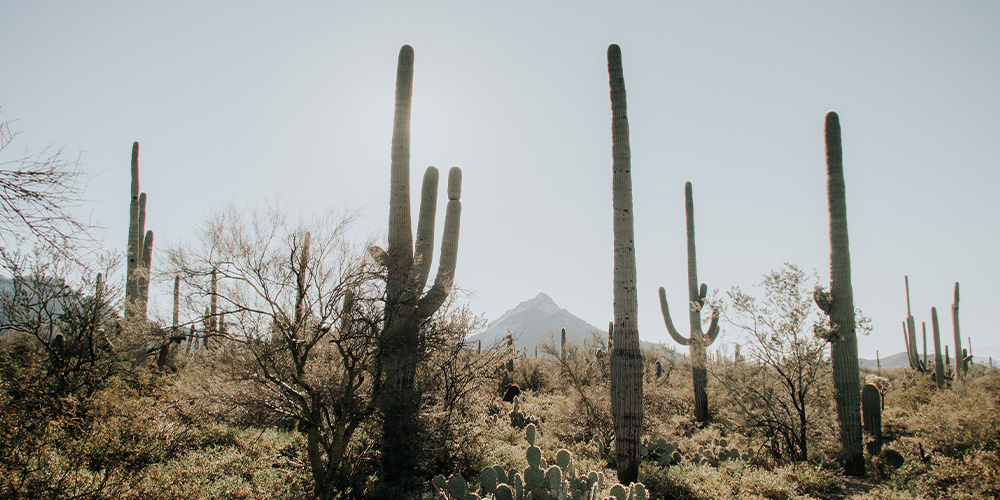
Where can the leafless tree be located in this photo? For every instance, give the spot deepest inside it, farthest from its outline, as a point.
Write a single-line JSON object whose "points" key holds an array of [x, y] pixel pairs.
{"points": [[37, 194], [302, 310]]}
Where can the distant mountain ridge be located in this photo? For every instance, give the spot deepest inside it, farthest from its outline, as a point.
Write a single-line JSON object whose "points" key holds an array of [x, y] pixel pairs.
{"points": [[534, 322]]}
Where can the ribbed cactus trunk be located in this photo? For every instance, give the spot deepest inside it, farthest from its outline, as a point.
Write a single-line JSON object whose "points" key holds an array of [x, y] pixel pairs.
{"points": [[138, 250], [938, 360], [133, 253], [960, 366], [408, 305], [626, 356], [562, 344], [698, 341], [844, 341], [910, 335]]}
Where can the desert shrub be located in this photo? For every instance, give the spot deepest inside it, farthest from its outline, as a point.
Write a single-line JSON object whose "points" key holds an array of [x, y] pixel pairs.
{"points": [[738, 479], [947, 421], [535, 374]]}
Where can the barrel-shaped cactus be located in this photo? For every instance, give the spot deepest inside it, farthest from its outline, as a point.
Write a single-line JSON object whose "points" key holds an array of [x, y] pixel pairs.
{"points": [[626, 356], [838, 304], [698, 341], [871, 411]]}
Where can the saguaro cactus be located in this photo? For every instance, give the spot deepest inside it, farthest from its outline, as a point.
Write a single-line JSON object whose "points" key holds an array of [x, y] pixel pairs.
{"points": [[408, 266], [699, 341], [910, 335], [626, 357], [138, 249], [562, 344], [838, 304], [960, 362], [938, 360]]}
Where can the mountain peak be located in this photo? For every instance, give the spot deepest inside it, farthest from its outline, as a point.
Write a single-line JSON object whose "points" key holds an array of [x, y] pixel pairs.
{"points": [[533, 321]]}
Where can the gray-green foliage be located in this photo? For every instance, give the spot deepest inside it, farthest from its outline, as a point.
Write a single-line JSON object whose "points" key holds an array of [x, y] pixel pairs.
{"points": [[539, 480], [666, 453]]}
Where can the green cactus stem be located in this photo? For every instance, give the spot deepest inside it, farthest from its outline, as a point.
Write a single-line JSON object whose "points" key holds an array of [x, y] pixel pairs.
{"points": [[923, 326], [133, 247], [698, 341], [960, 366], [626, 357], [910, 335], [408, 303], [139, 240], [562, 344], [838, 304], [938, 360]]}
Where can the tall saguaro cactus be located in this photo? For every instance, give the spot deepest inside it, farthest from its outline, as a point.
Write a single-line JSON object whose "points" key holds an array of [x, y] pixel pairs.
{"points": [[408, 304], [939, 374], [698, 341], [838, 304], [139, 248], [626, 357], [960, 362], [910, 335]]}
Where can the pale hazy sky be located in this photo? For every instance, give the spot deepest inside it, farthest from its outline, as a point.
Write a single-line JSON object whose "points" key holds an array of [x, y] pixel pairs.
{"points": [[245, 101]]}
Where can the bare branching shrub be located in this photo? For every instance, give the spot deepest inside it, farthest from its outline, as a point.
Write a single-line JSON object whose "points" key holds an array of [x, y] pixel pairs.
{"points": [[782, 394], [303, 310], [584, 372], [38, 192]]}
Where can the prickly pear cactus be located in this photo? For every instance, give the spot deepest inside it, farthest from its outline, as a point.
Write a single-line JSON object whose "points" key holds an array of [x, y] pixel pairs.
{"points": [[539, 481]]}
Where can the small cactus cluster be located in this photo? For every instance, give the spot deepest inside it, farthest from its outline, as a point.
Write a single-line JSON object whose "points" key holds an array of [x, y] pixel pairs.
{"points": [[518, 418], [660, 451], [940, 371], [538, 481], [667, 453], [719, 451]]}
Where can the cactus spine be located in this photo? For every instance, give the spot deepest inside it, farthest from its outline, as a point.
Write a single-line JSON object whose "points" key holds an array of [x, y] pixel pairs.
{"points": [[699, 341], [838, 304], [938, 360], [407, 269], [626, 357]]}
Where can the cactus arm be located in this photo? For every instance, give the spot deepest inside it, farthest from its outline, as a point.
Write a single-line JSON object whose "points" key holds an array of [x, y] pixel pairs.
{"points": [[400, 250], [694, 293], [665, 309], [713, 327], [143, 272], [424, 251], [430, 303]]}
